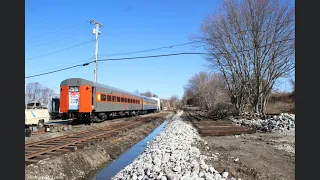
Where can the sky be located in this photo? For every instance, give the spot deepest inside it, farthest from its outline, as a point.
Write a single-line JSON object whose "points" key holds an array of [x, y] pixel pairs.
{"points": [[58, 35]]}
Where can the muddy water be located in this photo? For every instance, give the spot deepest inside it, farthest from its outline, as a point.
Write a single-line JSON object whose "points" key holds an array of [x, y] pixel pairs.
{"points": [[127, 158]]}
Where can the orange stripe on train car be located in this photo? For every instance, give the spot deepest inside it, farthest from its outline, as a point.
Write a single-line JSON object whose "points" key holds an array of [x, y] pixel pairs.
{"points": [[64, 98], [85, 101]]}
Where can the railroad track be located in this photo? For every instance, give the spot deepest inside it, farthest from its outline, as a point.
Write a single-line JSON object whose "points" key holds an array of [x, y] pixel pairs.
{"points": [[208, 127], [47, 148]]}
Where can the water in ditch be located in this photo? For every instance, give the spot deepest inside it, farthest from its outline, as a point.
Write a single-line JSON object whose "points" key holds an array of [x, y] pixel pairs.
{"points": [[127, 158]]}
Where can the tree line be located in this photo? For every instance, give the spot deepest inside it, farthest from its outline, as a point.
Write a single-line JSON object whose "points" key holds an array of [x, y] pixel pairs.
{"points": [[37, 92]]}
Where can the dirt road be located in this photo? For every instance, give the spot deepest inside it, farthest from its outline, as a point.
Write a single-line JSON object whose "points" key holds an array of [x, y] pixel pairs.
{"points": [[255, 156]]}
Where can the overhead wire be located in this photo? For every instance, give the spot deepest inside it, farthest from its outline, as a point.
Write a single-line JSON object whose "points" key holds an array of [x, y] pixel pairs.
{"points": [[62, 66], [148, 50], [60, 50], [72, 27], [153, 56], [72, 35], [170, 46]]}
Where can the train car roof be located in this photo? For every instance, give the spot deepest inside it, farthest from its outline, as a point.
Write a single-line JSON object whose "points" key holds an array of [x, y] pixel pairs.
{"points": [[149, 98], [91, 83]]}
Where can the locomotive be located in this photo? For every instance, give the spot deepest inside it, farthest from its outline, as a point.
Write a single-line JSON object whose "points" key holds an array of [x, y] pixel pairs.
{"points": [[85, 100]]}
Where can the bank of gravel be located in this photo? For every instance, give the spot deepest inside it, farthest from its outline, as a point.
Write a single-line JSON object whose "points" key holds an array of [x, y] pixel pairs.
{"points": [[173, 155], [80, 127], [82, 163], [282, 123]]}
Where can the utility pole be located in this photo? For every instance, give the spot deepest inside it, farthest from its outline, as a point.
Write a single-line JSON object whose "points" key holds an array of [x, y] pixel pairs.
{"points": [[96, 32]]}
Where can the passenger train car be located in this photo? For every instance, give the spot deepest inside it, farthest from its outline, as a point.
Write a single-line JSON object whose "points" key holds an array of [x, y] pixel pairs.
{"points": [[81, 99]]}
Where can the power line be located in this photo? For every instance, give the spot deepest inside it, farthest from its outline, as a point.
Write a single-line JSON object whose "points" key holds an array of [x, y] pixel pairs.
{"points": [[155, 56], [61, 50], [165, 47], [183, 44], [186, 53], [74, 72], [62, 66], [85, 64], [162, 55], [72, 34], [58, 31], [148, 50]]}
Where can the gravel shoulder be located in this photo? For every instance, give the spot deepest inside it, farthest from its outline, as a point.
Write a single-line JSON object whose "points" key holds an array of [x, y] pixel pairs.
{"points": [[82, 163], [172, 155]]}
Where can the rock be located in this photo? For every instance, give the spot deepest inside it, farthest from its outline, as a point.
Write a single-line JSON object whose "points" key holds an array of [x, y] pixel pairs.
{"points": [[177, 169], [217, 176], [141, 172], [160, 176], [225, 174], [157, 169], [195, 169], [163, 178], [134, 176], [212, 170], [236, 160]]}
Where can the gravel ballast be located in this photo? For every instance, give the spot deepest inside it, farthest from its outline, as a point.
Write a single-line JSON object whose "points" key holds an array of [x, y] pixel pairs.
{"points": [[282, 123], [172, 155]]}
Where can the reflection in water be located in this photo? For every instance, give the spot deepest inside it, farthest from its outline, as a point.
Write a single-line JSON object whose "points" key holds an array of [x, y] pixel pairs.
{"points": [[128, 157]]}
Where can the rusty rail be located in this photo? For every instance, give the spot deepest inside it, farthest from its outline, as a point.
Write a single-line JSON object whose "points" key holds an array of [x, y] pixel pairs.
{"points": [[207, 127], [55, 146]]}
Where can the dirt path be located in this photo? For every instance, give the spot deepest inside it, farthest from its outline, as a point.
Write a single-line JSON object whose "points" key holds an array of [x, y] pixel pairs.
{"points": [[256, 156]]}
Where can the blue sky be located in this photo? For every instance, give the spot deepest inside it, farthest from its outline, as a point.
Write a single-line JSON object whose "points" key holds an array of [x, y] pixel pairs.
{"points": [[128, 26]]}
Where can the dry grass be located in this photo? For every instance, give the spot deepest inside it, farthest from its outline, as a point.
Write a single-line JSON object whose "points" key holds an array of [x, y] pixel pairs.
{"points": [[281, 103]]}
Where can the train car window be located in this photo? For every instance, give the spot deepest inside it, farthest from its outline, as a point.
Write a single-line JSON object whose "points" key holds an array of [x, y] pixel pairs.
{"points": [[122, 99], [108, 98], [130, 100], [103, 97], [118, 98], [125, 100], [114, 99], [138, 101]]}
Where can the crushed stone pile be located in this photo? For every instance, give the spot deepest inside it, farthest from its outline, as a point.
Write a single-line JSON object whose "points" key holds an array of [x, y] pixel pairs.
{"points": [[170, 155], [282, 123]]}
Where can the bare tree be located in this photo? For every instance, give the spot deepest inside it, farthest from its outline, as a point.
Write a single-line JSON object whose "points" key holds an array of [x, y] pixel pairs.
{"points": [[252, 43], [33, 91], [45, 94], [206, 90], [149, 94], [188, 97], [137, 92], [36, 92], [174, 100]]}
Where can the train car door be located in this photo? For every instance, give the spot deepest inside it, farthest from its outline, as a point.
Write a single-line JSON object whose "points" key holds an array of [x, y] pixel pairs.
{"points": [[94, 100]]}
